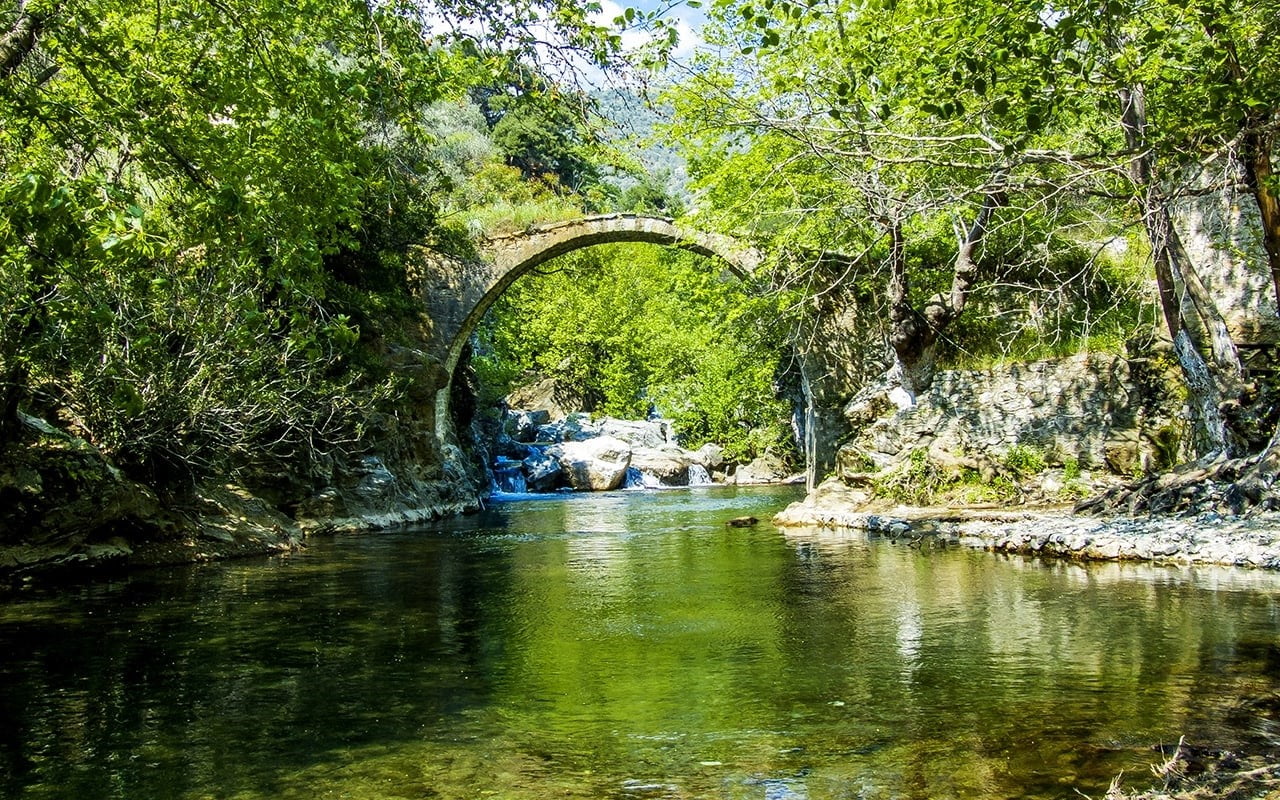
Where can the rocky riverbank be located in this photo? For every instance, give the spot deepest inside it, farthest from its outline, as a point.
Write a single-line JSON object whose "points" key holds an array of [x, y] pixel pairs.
{"points": [[64, 505], [1198, 773], [1054, 531]]}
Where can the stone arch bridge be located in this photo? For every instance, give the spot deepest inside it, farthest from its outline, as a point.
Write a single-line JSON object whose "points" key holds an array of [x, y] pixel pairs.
{"points": [[458, 292]]}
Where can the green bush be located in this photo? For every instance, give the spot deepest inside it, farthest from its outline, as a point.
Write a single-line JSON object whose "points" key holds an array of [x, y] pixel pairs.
{"points": [[1023, 461]]}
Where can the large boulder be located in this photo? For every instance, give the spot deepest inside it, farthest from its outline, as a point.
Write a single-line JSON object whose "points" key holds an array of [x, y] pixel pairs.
{"points": [[669, 465], [576, 427], [542, 472], [595, 465], [710, 456], [767, 468], [522, 424], [637, 433], [548, 395]]}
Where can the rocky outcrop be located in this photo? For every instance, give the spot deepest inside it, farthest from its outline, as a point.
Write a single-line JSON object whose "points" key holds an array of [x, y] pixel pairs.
{"points": [[1048, 433], [64, 504], [1020, 434], [1097, 410], [765, 469], [594, 465], [537, 451], [549, 397], [380, 492]]}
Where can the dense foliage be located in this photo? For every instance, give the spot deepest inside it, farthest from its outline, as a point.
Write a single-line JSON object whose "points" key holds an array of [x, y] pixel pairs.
{"points": [[634, 329], [206, 205], [944, 145]]}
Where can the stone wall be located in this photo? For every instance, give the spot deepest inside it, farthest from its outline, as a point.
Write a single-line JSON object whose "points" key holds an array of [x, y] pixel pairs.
{"points": [[1100, 410]]}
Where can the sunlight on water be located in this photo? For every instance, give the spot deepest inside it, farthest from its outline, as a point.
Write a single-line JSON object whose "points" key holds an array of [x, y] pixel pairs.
{"points": [[626, 645]]}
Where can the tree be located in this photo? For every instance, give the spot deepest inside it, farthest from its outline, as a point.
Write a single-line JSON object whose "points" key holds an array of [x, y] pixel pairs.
{"points": [[1092, 103], [869, 140], [203, 197]]}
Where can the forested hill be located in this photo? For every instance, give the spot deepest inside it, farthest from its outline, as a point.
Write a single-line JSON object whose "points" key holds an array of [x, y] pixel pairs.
{"points": [[633, 125]]}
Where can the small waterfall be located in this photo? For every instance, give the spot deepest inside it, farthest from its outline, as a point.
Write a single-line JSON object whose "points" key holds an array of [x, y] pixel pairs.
{"points": [[508, 476], [640, 480], [698, 475], [634, 479]]}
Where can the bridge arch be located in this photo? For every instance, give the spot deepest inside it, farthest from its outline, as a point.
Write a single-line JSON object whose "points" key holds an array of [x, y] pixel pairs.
{"points": [[508, 257]]}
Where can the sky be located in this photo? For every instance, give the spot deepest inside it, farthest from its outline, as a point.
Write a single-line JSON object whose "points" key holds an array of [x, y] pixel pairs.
{"points": [[688, 21]]}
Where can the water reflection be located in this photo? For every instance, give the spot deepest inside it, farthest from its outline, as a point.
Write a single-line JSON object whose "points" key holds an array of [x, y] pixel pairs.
{"points": [[629, 645]]}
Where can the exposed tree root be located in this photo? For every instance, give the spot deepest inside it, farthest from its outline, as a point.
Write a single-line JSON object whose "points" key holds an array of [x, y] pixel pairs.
{"points": [[1215, 483], [1194, 773]]}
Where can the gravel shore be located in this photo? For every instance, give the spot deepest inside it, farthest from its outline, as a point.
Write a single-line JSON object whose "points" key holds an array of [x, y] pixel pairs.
{"points": [[1249, 541]]}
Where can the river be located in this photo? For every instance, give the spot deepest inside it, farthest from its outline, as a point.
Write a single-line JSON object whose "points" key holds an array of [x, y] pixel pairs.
{"points": [[626, 645]]}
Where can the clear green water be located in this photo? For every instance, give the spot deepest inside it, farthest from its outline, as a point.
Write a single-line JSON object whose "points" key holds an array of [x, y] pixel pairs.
{"points": [[628, 645]]}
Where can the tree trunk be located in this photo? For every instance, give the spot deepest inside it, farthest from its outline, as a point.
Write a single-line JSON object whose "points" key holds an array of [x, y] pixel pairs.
{"points": [[914, 343], [914, 334], [1261, 180], [1172, 266], [1228, 372]]}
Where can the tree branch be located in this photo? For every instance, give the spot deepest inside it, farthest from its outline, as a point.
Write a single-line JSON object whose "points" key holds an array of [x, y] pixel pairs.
{"points": [[18, 42]]}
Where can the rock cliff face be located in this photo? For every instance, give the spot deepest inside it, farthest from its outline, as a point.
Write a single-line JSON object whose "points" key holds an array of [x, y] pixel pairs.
{"points": [[1037, 433], [1100, 411]]}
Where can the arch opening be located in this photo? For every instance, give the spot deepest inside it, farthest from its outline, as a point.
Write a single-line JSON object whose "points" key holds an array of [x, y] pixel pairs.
{"points": [[516, 255], [662, 273]]}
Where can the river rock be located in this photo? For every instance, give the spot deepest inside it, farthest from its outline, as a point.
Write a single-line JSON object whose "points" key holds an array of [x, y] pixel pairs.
{"points": [[765, 469], [542, 472], [670, 465], [522, 425], [1123, 453], [710, 456], [637, 433], [577, 427], [596, 465]]}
